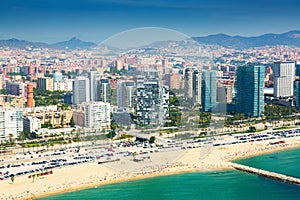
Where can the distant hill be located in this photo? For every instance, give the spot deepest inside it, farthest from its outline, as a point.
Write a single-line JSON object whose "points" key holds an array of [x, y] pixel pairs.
{"points": [[16, 43], [73, 43], [291, 38]]}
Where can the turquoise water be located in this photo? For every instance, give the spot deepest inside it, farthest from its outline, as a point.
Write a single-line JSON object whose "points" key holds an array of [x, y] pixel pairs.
{"points": [[285, 162], [205, 185]]}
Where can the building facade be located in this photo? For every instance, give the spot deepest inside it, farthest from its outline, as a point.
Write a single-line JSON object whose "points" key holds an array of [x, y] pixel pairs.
{"points": [[45, 83], [284, 73], [152, 99], [209, 90], [126, 95], [250, 90], [104, 90], [31, 124], [94, 115], [11, 123], [81, 90]]}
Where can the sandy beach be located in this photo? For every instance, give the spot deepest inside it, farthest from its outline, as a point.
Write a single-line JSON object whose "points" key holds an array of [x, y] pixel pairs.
{"points": [[162, 163]]}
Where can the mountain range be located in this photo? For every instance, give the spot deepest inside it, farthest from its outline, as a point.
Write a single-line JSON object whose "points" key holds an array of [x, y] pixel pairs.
{"points": [[73, 43], [291, 38]]}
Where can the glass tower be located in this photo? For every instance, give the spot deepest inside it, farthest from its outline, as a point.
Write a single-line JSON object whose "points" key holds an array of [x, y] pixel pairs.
{"points": [[209, 90], [250, 90]]}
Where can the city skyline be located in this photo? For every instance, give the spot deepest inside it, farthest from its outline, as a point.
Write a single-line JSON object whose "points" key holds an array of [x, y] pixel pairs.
{"points": [[97, 20]]}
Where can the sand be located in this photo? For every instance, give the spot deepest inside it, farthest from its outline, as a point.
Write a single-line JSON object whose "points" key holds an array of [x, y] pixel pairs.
{"points": [[163, 163]]}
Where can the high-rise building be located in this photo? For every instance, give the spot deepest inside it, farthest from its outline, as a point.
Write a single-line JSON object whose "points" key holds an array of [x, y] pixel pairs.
{"points": [[192, 85], [16, 88], [174, 81], [94, 77], [95, 115], [152, 99], [11, 122], [297, 93], [81, 90], [31, 124], [284, 73], [188, 83], [45, 83], [209, 90], [30, 100], [126, 93], [250, 90], [104, 90], [197, 81]]}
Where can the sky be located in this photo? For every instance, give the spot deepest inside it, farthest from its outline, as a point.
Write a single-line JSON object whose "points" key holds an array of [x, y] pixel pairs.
{"points": [[96, 20]]}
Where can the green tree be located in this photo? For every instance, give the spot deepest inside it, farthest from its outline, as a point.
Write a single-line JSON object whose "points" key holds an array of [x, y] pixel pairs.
{"points": [[152, 139], [72, 122], [3, 91], [252, 129]]}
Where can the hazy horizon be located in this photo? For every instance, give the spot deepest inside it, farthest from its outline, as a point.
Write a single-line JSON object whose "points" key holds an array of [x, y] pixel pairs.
{"points": [[96, 20]]}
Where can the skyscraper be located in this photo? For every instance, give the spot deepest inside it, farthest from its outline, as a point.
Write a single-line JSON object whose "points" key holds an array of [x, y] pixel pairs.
{"points": [[249, 90], [197, 82], [104, 90], [152, 99], [209, 90], [284, 73], [94, 77], [192, 85], [126, 93], [188, 83], [81, 90], [297, 93]]}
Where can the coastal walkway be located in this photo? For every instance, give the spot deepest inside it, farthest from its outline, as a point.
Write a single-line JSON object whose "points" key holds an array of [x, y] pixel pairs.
{"points": [[265, 173]]}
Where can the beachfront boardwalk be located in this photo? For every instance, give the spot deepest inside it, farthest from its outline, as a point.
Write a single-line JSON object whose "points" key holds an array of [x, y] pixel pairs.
{"points": [[265, 173]]}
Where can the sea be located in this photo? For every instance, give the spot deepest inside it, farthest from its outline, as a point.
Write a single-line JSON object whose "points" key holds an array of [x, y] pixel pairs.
{"points": [[229, 184]]}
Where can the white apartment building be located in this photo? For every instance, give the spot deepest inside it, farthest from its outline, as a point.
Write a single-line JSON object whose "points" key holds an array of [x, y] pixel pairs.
{"points": [[284, 73], [11, 122]]}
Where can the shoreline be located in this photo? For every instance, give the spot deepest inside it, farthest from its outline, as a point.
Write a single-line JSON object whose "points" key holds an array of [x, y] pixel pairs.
{"points": [[188, 162], [97, 184]]}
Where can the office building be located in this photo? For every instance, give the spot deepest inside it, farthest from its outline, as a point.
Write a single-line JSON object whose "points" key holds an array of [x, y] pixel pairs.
{"points": [[126, 93], [94, 78], [81, 90], [297, 94], [104, 90], [209, 90], [250, 90]]}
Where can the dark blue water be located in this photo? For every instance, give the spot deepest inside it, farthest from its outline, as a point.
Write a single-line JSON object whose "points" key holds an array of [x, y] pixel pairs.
{"points": [[206, 185]]}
